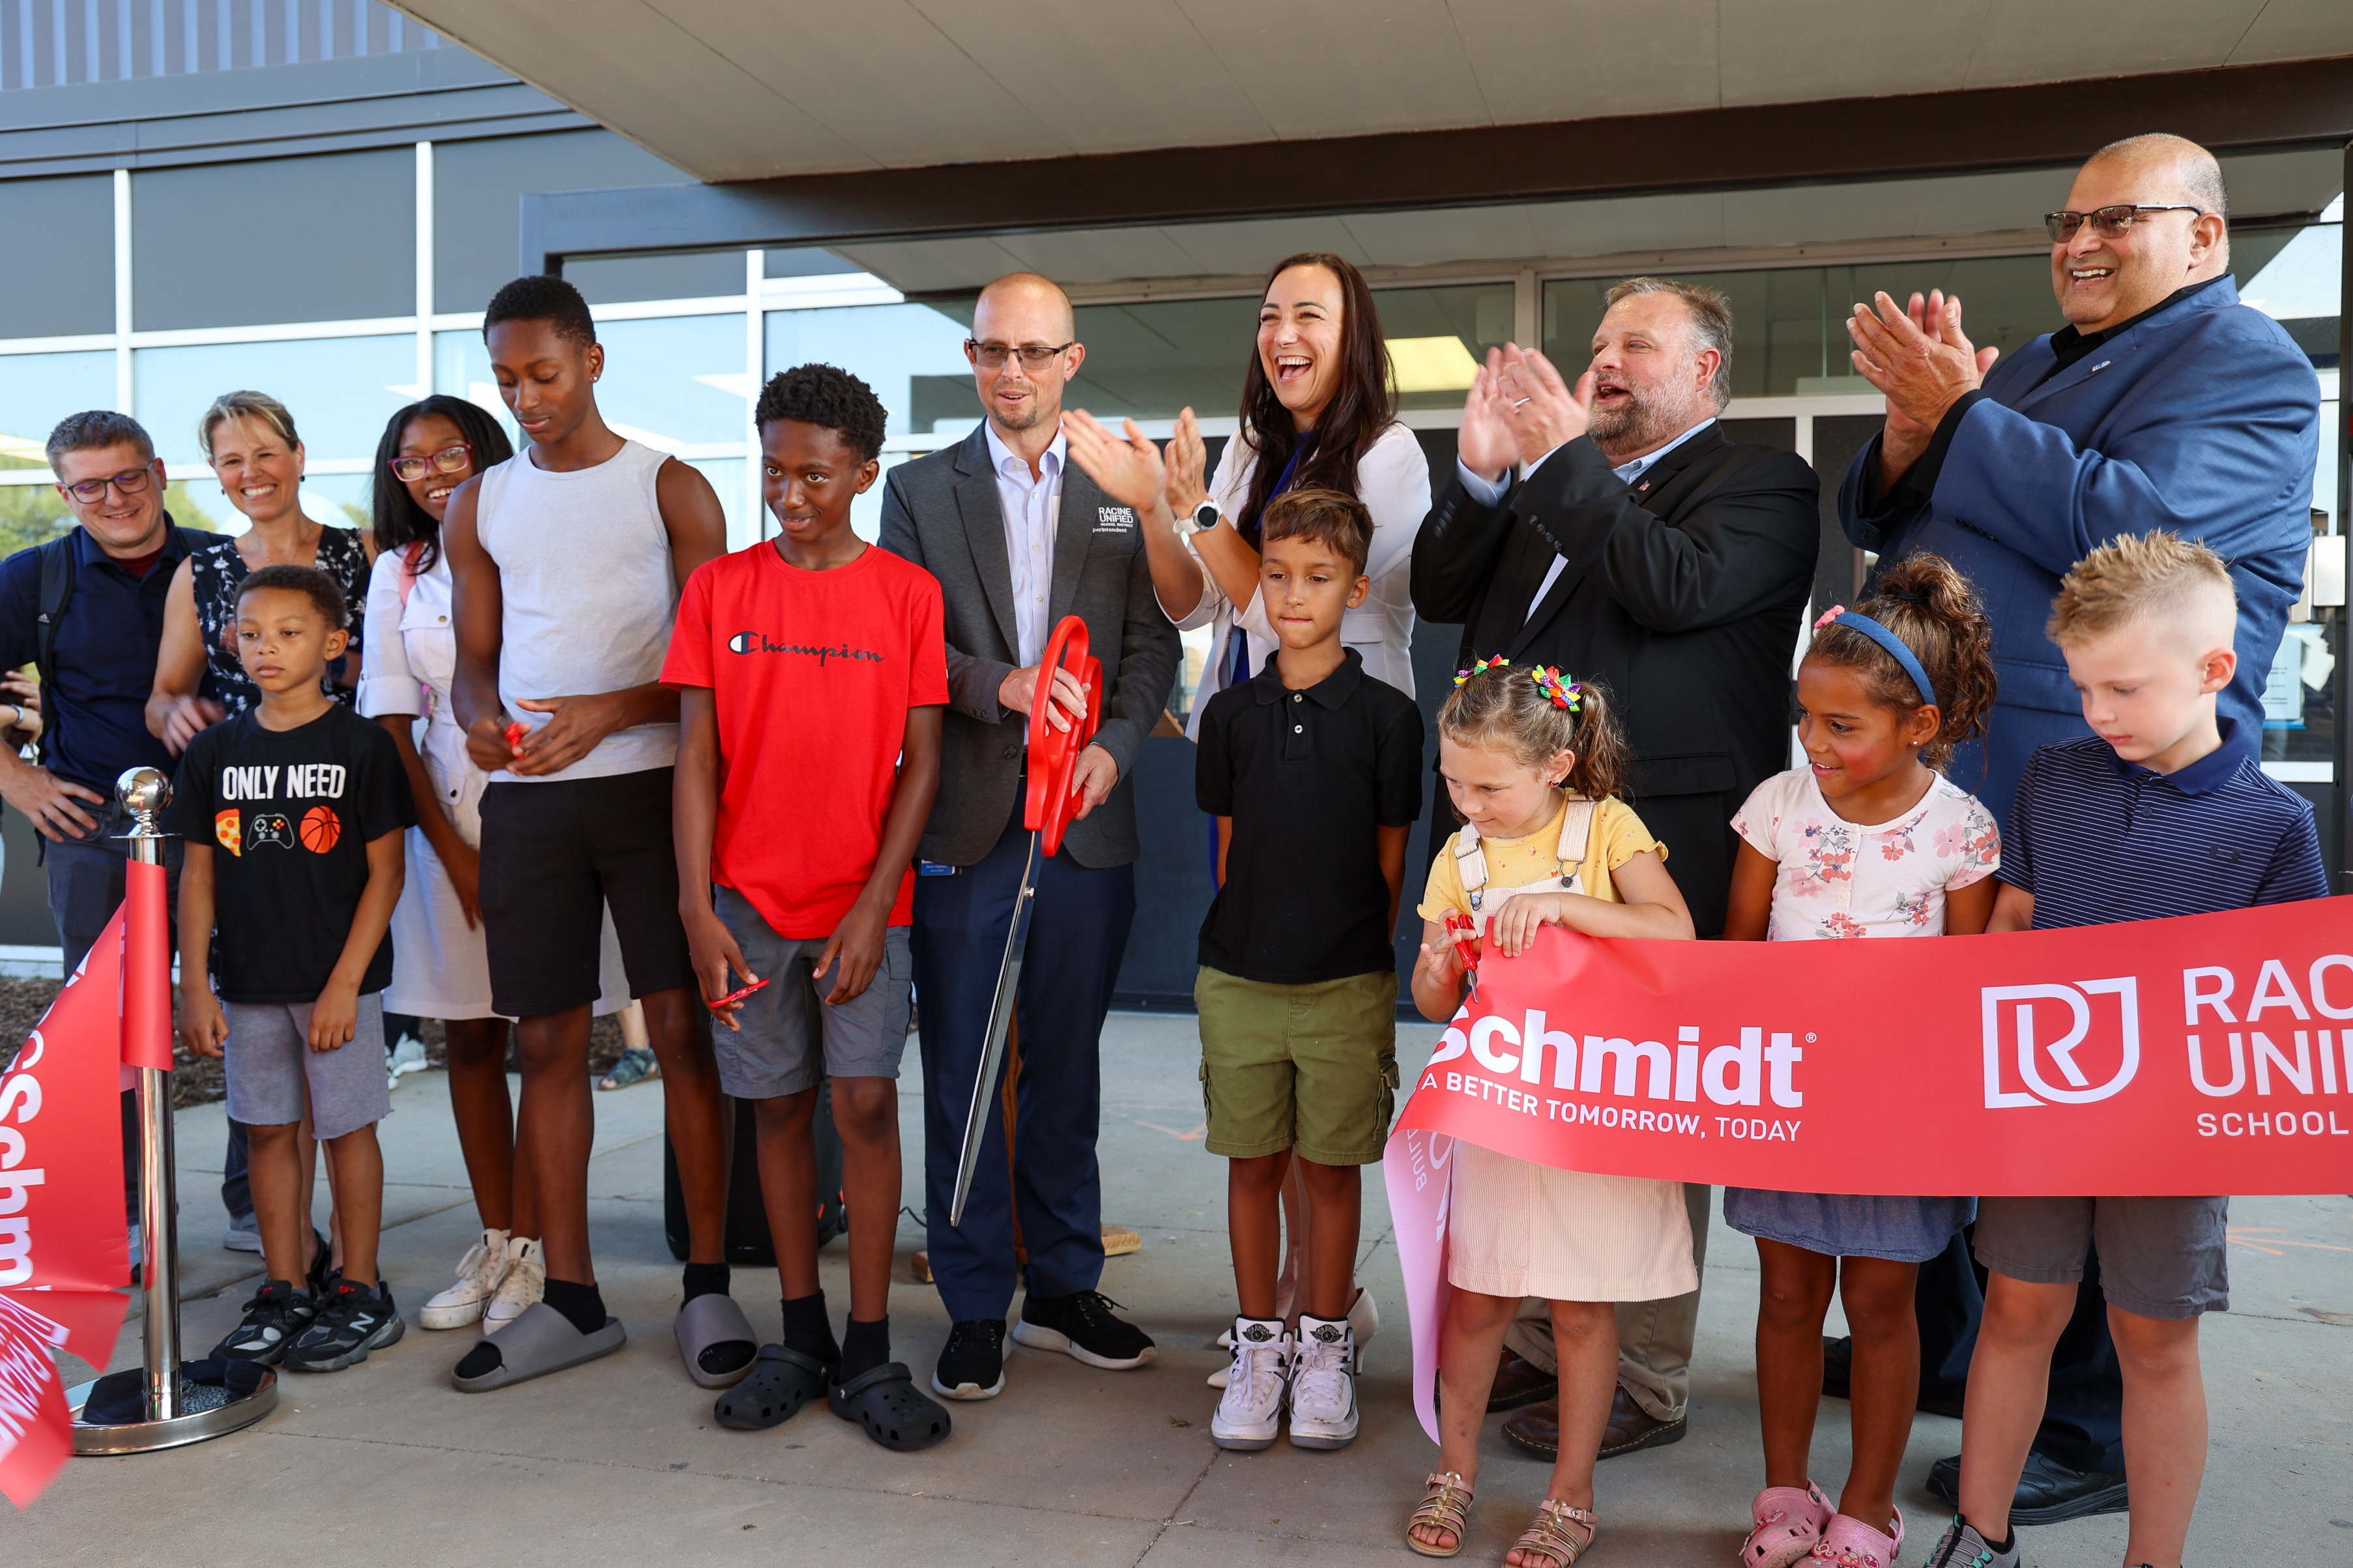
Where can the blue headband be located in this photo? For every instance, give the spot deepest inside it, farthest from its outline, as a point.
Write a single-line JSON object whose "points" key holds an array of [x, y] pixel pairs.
{"points": [[1854, 620]]}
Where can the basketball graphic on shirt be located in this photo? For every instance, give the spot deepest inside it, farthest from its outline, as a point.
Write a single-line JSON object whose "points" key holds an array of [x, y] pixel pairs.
{"points": [[321, 829], [227, 828], [268, 827]]}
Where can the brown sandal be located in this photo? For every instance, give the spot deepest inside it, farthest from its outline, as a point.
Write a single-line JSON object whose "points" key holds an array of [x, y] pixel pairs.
{"points": [[1446, 1505], [1549, 1537]]}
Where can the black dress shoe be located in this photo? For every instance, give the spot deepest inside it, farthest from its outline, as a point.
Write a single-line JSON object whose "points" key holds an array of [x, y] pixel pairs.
{"points": [[1536, 1431], [1519, 1381], [2048, 1492]]}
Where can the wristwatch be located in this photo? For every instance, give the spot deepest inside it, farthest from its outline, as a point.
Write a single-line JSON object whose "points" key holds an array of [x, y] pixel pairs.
{"points": [[1205, 517]]}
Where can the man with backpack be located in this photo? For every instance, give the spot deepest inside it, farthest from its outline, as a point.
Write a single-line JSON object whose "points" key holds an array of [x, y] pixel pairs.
{"points": [[87, 609]]}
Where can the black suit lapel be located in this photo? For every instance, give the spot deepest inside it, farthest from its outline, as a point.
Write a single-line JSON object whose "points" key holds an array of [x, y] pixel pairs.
{"points": [[1074, 527], [1652, 491], [984, 527]]}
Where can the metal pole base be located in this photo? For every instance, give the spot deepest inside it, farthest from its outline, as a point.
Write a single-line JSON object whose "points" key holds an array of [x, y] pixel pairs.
{"points": [[205, 1413]]}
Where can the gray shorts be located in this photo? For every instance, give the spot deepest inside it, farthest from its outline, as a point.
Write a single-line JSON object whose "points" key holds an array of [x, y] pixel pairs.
{"points": [[2160, 1257], [787, 1028], [274, 1072]]}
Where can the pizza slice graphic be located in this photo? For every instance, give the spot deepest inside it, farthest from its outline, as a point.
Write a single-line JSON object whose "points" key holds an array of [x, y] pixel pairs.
{"points": [[226, 830]]}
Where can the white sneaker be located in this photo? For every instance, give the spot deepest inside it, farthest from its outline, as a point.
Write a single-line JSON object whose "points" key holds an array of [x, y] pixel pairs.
{"points": [[524, 1284], [1323, 1384], [407, 1056], [1252, 1410], [478, 1273]]}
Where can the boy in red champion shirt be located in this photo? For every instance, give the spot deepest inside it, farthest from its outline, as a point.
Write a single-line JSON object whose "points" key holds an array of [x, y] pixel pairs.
{"points": [[812, 674]]}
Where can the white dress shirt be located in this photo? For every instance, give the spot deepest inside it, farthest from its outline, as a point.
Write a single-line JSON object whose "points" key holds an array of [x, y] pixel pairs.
{"points": [[1393, 481], [1031, 508], [1490, 491]]}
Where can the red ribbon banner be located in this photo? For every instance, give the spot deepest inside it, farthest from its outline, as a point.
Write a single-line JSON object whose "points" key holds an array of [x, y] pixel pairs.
{"points": [[63, 1247], [2205, 1055], [2211, 1054]]}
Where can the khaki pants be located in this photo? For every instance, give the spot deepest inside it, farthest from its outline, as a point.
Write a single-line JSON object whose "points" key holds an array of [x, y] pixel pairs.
{"points": [[1654, 1338]]}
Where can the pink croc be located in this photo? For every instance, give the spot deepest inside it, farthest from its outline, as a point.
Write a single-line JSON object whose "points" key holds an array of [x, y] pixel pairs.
{"points": [[1851, 1543], [1789, 1521]]}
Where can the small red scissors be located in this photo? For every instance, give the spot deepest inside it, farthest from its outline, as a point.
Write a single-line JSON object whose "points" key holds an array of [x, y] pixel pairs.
{"points": [[1464, 930]]}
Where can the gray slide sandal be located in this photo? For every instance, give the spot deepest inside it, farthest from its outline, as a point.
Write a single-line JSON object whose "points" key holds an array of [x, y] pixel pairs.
{"points": [[709, 1321], [541, 1340]]}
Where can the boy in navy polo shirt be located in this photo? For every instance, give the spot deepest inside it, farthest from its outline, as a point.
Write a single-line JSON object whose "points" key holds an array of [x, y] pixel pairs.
{"points": [[1314, 771], [2160, 812]]}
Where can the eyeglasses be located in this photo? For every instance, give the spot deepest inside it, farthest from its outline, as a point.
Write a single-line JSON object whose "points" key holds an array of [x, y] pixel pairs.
{"points": [[2108, 223], [454, 459], [994, 355], [130, 482]]}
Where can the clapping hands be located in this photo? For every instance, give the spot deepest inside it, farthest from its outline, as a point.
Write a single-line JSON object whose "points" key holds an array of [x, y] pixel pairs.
{"points": [[1519, 409]]}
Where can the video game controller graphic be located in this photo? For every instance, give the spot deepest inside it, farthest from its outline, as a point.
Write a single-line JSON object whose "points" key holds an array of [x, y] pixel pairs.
{"points": [[268, 827]]}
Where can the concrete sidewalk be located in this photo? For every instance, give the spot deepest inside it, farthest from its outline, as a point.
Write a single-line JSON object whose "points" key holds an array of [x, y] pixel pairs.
{"points": [[620, 1463]]}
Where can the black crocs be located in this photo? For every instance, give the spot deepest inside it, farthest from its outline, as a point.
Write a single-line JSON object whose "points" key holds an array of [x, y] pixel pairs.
{"points": [[781, 1380], [886, 1402]]}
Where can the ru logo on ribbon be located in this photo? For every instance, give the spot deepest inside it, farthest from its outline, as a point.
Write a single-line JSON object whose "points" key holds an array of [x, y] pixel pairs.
{"points": [[2028, 1044]]}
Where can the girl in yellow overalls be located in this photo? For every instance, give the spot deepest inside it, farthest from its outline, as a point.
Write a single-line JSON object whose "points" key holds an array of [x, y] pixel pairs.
{"points": [[1532, 762]]}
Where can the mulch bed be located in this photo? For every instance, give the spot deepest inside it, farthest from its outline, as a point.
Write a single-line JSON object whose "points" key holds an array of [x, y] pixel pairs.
{"points": [[197, 1080]]}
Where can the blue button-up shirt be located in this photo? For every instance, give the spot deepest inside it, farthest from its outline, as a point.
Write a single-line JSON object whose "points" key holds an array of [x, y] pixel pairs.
{"points": [[95, 706]]}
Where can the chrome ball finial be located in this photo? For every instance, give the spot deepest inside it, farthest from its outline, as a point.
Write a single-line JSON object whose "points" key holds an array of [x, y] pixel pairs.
{"points": [[143, 793]]}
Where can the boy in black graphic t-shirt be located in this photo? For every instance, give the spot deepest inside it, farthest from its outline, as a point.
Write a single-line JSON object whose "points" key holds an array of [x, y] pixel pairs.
{"points": [[292, 815]]}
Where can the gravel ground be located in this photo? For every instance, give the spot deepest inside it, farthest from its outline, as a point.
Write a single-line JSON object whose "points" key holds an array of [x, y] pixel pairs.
{"points": [[198, 1081]]}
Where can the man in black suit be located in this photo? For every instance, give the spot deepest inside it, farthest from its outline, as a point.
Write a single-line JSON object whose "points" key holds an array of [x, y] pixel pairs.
{"points": [[1644, 549]]}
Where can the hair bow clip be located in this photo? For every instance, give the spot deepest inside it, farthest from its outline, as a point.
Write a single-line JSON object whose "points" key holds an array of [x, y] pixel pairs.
{"points": [[1560, 693], [1827, 617], [1480, 667]]}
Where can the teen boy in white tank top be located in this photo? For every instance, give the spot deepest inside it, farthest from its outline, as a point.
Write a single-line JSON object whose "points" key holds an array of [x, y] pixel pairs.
{"points": [[566, 562]]}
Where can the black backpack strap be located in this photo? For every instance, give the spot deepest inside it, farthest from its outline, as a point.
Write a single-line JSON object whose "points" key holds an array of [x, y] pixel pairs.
{"points": [[56, 589]]}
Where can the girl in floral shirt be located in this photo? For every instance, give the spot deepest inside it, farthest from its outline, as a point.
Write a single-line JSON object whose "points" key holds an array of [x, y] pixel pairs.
{"points": [[1868, 839]]}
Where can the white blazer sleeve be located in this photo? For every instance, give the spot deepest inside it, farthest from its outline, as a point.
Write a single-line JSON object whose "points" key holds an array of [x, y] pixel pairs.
{"points": [[387, 684], [1393, 481]]}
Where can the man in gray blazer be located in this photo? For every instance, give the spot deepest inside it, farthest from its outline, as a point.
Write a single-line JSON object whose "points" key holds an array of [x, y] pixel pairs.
{"points": [[1018, 539]]}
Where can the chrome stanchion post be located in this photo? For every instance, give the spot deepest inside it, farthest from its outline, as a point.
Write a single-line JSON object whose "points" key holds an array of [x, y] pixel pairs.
{"points": [[143, 793], [174, 1411]]}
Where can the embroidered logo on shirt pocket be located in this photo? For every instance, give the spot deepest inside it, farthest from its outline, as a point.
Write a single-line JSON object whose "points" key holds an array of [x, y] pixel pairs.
{"points": [[2224, 854], [1114, 520]]}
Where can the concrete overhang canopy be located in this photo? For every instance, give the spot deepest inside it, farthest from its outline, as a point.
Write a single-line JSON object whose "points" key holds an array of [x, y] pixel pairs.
{"points": [[731, 89]]}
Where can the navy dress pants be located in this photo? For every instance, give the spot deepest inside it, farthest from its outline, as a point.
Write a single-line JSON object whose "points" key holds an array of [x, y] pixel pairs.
{"points": [[1078, 934]]}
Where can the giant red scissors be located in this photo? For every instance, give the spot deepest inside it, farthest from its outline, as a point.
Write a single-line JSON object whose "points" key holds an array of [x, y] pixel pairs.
{"points": [[1046, 812]]}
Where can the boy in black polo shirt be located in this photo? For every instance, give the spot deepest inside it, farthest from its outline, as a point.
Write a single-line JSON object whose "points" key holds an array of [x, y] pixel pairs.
{"points": [[2163, 812], [1313, 769]]}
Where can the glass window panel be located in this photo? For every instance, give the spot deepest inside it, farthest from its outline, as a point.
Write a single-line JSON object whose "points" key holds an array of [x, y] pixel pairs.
{"points": [[610, 280], [726, 477], [57, 275], [670, 382], [674, 383], [1789, 336], [341, 391], [912, 356], [478, 187], [1439, 337], [38, 390], [345, 249], [461, 367], [31, 515]]}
